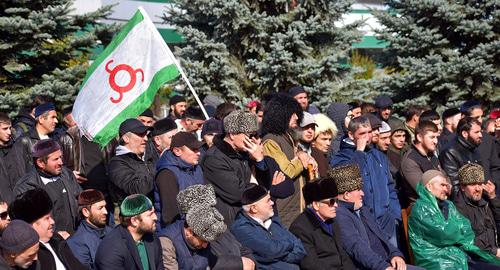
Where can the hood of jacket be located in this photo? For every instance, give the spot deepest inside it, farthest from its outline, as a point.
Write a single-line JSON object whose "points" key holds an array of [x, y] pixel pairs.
{"points": [[169, 159], [337, 112]]}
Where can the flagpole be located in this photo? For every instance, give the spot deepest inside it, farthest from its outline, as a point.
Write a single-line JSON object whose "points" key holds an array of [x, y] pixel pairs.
{"points": [[184, 77]]}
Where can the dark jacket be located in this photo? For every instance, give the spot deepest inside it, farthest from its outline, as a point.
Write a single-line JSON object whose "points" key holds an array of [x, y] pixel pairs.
{"points": [[483, 216], [85, 241], [366, 244], [274, 248], [33, 180], [173, 175], [25, 143], [22, 123], [490, 158], [324, 249], [12, 168], [321, 159], [380, 197], [70, 146], [94, 162], [118, 251], [458, 153], [46, 260], [413, 166], [128, 174], [229, 172]]}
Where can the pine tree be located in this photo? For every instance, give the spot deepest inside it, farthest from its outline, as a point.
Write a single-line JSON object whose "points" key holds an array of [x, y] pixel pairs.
{"points": [[242, 48], [46, 50], [445, 52]]}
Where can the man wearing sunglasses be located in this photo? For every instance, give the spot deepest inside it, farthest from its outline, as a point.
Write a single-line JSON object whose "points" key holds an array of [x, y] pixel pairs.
{"points": [[4, 216], [129, 172], [316, 229]]}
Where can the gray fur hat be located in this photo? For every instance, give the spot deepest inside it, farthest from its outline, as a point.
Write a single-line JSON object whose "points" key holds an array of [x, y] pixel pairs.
{"points": [[241, 122], [206, 222], [196, 195]]}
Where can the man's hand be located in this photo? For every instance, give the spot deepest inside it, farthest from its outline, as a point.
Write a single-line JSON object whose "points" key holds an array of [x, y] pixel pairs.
{"points": [[498, 253], [247, 263], [80, 179], [63, 234], [278, 177], [254, 149], [398, 263], [303, 157], [361, 143], [489, 188]]}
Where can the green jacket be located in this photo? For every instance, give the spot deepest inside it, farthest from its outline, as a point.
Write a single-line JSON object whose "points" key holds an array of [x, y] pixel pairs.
{"points": [[438, 243]]}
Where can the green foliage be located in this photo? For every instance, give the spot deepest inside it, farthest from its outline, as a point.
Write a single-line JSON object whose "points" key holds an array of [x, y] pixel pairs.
{"points": [[241, 49], [365, 62], [445, 52], [46, 50]]}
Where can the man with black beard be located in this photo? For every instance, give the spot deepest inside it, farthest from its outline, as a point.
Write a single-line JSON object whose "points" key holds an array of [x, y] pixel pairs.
{"points": [[92, 228], [463, 150]]}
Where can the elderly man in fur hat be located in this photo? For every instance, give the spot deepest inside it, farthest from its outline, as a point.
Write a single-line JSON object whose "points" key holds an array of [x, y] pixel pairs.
{"points": [[228, 164], [201, 238], [132, 245], [35, 207], [57, 180], [482, 211], [92, 228], [258, 228], [440, 237], [367, 245], [316, 229]]}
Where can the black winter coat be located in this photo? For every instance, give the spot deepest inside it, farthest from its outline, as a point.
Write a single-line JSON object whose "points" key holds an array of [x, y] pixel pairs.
{"points": [[128, 174], [457, 154], [12, 168], [324, 251], [229, 172], [46, 259], [490, 159], [118, 251], [483, 217]]}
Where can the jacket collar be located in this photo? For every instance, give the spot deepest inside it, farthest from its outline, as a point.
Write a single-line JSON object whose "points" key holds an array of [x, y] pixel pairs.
{"points": [[462, 141], [348, 205], [169, 159], [226, 148], [132, 247], [462, 197], [100, 232], [316, 222]]}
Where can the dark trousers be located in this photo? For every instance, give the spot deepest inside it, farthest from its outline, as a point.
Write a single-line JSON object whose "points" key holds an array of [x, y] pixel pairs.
{"points": [[475, 264]]}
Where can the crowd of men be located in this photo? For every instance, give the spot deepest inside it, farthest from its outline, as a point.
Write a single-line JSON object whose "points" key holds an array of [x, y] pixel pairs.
{"points": [[274, 185]]}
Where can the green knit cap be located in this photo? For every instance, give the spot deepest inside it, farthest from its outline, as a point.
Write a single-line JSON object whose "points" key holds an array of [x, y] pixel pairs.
{"points": [[134, 205]]}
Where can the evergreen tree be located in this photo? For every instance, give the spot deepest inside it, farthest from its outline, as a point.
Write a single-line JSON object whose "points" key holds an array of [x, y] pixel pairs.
{"points": [[45, 49], [242, 48], [445, 52]]}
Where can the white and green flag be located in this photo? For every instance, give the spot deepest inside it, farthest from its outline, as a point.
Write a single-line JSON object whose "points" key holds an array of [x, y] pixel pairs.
{"points": [[124, 79]]}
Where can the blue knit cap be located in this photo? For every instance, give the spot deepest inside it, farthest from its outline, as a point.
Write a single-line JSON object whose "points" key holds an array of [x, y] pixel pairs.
{"points": [[40, 109]]}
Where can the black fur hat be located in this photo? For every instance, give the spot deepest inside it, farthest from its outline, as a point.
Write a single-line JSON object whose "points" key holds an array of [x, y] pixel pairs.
{"points": [[277, 114], [31, 205]]}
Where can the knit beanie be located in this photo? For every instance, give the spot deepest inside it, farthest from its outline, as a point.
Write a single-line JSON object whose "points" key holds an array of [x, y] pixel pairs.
{"points": [[18, 237]]}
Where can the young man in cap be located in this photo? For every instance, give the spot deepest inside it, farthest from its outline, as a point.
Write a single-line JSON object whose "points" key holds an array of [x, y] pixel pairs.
{"points": [[18, 246], [92, 228], [380, 193], [191, 121], [4, 216], [57, 180], [306, 132], [440, 237], [177, 169], [315, 227], [46, 121], [419, 159], [450, 122], [384, 104], [132, 245], [147, 118], [12, 160], [257, 228], [178, 106], [400, 141], [129, 172], [160, 138], [483, 212], [384, 137], [300, 95], [35, 207], [228, 164], [361, 237]]}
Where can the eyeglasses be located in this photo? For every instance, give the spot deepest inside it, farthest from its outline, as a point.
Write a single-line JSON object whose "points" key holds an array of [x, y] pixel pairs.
{"points": [[4, 215], [253, 135], [330, 202]]}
